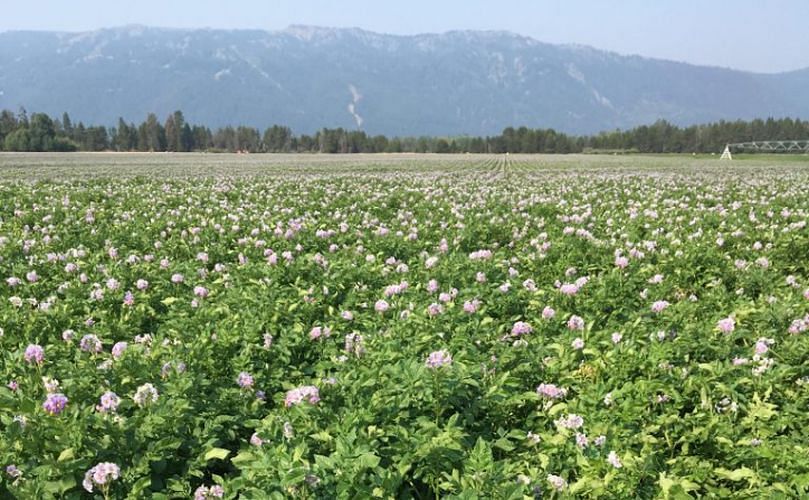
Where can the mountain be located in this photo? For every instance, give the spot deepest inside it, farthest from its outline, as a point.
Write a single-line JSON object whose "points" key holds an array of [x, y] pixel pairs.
{"points": [[460, 82]]}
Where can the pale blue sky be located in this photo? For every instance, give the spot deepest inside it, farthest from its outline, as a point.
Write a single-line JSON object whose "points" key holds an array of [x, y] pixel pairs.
{"points": [[757, 35]]}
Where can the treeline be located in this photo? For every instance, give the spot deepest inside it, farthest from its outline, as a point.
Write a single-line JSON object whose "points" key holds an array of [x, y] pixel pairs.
{"points": [[40, 132]]}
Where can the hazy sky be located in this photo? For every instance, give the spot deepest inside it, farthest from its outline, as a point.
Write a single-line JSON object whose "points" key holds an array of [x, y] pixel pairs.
{"points": [[757, 35]]}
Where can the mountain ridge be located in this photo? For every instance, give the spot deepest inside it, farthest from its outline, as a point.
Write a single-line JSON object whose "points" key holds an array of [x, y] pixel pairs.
{"points": [[308, 77]]}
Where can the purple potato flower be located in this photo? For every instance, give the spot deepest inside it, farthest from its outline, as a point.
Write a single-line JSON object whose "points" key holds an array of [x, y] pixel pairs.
{"points": [[207, 493], [109, 402], [55, 403], [306, 393], [90, 343], [521, 328], [145, 395], [34, 354], [437, 359], [245, 380], [101, 475]]}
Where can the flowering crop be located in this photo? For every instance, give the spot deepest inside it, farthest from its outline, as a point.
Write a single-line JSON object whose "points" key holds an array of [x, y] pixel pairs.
{"points": [[337, 329], [54, 403], [34, 354], [101, 476]]}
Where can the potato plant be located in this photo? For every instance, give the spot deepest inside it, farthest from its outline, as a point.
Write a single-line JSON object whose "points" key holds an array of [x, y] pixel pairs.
{"points": [[458, 329]]}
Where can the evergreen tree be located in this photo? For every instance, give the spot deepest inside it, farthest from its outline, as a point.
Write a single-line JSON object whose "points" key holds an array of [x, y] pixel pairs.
{"points": [[22, 117], [202, 138], [43, 133], [186, 137], [67, 125], [178, 136], [247, 139], [179, 123], [172, 135], [120, 137], [154, 134], [8, 124]]}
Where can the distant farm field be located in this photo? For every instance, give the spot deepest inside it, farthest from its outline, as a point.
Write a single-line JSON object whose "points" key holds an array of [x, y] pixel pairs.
{"points": [[56, 166], [403, 326]]}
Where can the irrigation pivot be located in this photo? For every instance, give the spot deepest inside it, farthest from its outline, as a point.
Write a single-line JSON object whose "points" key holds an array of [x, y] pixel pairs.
{"points": [[786, 146]]}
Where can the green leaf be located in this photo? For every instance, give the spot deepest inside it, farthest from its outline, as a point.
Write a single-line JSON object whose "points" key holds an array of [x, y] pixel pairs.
{"points": [[141, 485], [735, 475], [244, 456], [218, 453], [665, 483], [801, 480], [60, 486], [403, 467], [322, 436], [67, 454], [724, 440], [504, 444], [368, 460], [293, 476]]}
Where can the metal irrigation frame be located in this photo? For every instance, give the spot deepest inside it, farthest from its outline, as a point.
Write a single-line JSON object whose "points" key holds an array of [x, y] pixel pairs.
{"points": [[787, 146]]}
